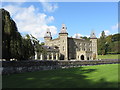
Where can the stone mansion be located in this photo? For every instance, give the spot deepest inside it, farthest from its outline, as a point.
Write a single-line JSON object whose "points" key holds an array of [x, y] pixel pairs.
{"points": [[68, 48]]}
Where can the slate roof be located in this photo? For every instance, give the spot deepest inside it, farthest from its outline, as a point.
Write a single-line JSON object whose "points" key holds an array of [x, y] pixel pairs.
{"points": [[50, 48]]}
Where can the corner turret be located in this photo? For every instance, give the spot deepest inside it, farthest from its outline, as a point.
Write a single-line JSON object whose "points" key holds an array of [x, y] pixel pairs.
{"points": [[63, 29], [93, 40], [63, 36], [93, 36], [48, 36]]}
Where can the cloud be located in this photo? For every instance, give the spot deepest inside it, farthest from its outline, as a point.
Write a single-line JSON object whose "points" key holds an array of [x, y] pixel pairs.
{"points": [[49, 7], [77, 35], [115, 27], [30, 21], [107, 32]]}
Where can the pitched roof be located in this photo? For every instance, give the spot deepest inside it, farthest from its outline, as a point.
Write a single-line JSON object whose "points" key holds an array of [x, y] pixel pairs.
{"points": [[50, 48]]}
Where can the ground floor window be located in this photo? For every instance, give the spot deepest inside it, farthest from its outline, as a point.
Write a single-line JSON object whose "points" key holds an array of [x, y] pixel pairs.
{"points": [[87, 58], [54, 56]]}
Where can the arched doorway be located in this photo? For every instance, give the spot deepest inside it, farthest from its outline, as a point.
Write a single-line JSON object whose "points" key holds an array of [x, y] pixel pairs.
{"points": [[82, 57]]}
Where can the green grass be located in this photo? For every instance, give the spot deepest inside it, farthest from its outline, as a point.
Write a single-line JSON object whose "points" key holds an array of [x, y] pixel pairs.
{"points": [[108, 56], [99, 76]]}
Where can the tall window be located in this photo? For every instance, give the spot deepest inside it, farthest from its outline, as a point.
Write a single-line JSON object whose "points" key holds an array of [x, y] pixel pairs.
{"points": [[79, 49], [63, 48], [84, 49], [84, 44], [89, 44]]}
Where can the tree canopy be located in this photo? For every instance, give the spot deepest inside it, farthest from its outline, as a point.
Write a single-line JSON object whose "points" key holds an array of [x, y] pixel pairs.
{"points": [[108, 44], [13, 44]]}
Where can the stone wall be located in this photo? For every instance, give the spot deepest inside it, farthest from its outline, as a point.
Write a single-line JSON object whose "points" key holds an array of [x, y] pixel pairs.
{"points": [[11, 67]]}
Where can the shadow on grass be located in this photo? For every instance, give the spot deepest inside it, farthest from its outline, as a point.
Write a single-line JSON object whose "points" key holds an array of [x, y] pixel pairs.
{"points": [[61, 78]]}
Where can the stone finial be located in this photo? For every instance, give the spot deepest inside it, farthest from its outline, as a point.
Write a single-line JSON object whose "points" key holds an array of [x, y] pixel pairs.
{"points": [[48, 33], [63, 29], [93, 35]]}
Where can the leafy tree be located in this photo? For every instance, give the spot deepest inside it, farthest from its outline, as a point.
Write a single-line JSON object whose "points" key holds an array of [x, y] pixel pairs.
{"points": [[102, 44], [37, 46], [13, 44], [85, 38], [9, 31], [111, 44], [116, 37]]}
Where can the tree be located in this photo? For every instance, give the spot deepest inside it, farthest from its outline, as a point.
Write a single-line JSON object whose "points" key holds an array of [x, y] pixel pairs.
{"points": [[37, 46], [113, 43], [102, 44], [9, 31], [13, 44], [85, 38]]}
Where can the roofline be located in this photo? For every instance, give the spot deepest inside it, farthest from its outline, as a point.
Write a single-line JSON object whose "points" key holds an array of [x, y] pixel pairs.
{"points": [[63, 33], [93, 38]]}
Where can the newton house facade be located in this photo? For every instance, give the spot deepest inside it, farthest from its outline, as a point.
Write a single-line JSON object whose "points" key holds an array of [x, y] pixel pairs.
{"points": [[68, 48]]}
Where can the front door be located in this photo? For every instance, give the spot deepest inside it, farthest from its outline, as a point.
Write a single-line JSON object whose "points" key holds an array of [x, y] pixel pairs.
{"points": [[82, 57]]}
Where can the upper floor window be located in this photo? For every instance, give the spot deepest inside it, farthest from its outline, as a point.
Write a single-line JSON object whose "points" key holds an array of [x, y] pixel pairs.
{"points": [[89, 44], [89, 49], [63, 48], [84, 44], [84, 49], [79, 43]]}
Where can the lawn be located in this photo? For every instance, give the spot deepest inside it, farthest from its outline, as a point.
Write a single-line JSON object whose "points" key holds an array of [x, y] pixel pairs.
{"points": [[99, 76], [109, 56]]}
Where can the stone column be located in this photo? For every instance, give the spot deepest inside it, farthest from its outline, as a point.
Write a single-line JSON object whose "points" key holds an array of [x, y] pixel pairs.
{"points": [[56, 56], [47, 56], [85, 57], [41, 56], [52, 56], [36, 55], [79, 57]]}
